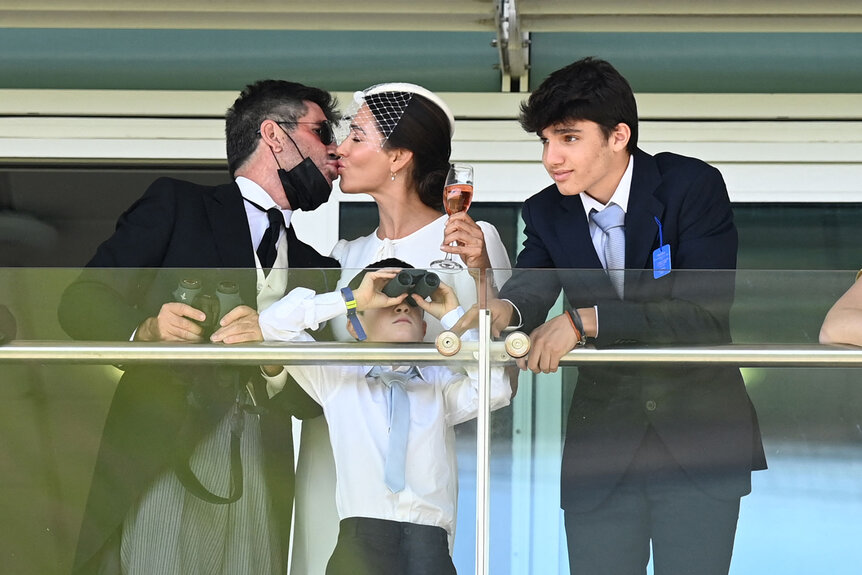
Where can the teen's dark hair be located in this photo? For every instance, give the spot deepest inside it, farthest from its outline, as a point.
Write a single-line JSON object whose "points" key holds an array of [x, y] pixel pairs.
{"points": [[424, 130], [387, 263], [269, 99], [589, 89]]}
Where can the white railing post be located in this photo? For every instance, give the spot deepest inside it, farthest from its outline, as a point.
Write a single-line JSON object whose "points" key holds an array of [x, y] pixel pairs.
{"points": [[483, 444]]}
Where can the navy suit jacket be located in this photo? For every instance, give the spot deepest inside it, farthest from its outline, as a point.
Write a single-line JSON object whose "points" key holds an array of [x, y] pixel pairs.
{"points": [[702, 414], [174, 230]]}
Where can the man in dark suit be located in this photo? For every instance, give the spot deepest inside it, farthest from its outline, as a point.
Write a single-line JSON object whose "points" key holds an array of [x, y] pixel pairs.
{"points": [[653, 454], [195, 468]]}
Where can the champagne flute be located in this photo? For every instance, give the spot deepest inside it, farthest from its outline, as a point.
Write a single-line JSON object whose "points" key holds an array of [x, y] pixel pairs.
{"points": [[457, 195]]}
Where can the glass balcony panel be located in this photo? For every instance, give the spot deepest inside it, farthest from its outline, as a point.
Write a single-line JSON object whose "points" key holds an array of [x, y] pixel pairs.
{"points": [[799, 517], [58, 393], [800, 514]]}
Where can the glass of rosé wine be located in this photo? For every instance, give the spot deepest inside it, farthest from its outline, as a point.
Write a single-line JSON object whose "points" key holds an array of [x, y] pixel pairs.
{"points": [[457, 195]]}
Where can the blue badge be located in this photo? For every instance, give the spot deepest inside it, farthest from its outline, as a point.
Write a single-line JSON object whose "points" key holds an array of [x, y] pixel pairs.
{"points": [[661, 256]]}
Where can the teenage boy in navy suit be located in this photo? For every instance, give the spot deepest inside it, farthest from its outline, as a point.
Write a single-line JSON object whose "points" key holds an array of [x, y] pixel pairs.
{"points": [[653, 454]]}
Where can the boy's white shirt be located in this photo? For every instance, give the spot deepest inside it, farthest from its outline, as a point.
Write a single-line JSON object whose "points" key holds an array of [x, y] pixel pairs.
{"points": [[356, 411]]}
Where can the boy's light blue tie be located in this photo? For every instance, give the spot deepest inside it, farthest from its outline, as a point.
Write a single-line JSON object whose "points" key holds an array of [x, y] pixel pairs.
{"points": [[399, 423], [612, 220]]}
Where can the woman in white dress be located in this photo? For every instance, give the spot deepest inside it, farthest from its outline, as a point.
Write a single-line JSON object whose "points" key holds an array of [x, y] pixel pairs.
{"points": [[397, 151]]}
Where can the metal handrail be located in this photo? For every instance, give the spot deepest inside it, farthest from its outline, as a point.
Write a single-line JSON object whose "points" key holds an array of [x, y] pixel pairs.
{"points": [[310, 353], [750, 355], [305, 353]]}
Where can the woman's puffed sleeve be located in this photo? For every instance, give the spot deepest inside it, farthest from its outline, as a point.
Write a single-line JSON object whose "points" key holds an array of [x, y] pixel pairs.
{"points": [[497, 253], [339, 252]]}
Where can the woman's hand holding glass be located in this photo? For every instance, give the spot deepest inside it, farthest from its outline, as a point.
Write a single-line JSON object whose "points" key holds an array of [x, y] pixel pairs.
{"points": [[464, 237], [457, 197]]}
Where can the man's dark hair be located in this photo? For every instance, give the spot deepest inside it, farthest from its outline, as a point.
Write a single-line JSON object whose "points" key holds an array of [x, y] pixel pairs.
{"points": [[424, 130], [269, 99], [589, 89], [387, 263]]}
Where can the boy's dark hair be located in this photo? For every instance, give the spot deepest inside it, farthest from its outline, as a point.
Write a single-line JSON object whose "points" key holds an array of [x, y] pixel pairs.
{"points": [[589, 89], [424, 130], [387, 263], [269, 99]]}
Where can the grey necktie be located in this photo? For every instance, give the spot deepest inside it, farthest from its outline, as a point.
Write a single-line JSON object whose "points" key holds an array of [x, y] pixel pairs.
{"points": [[611, 220], [399, 423]]}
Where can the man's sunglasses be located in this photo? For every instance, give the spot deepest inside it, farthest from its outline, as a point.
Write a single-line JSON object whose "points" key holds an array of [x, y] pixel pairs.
{"points": [[323, 130]]}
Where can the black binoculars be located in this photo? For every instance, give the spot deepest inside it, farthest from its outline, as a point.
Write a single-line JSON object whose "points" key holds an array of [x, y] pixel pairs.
{"points": [[412, 281], [190, 291]]}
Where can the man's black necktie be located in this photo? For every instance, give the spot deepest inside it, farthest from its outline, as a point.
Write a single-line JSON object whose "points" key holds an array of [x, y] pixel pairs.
{"points": [[266, 250]]}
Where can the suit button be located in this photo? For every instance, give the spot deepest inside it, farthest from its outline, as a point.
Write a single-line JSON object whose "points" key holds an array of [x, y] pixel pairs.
{"points": [[650, 405]]}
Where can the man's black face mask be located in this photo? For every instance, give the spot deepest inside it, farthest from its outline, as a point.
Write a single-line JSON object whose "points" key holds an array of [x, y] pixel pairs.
{"points": [[305, 187]]}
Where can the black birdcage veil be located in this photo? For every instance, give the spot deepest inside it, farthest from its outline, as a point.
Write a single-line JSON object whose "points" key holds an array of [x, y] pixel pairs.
{"points": [[388, 108], [386, 104], [385, 111]]}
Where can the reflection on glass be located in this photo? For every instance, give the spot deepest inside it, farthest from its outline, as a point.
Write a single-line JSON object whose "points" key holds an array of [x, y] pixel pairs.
{"points": [[525, 479], [800, 517]]}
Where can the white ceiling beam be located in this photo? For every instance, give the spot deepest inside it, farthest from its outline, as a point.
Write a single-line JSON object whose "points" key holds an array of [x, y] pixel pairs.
{"points": [[687, 7], [213, 104], [850, 23], [440, 15]]}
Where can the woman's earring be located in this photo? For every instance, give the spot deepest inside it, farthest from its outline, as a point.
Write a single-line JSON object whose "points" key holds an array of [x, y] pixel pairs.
{"points": [[392, 175]]}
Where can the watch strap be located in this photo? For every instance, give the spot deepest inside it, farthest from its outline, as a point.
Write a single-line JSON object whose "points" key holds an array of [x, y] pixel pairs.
{"points": [[350, 302]]}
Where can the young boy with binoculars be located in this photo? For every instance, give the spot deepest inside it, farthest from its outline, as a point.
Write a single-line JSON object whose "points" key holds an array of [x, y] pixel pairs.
{"points": [[391, 428]]}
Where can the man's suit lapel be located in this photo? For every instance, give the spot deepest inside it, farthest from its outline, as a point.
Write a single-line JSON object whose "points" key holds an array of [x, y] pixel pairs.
{"points": [[302, 256], [643, 209], [299, 254], [230, 227], [574, 231], [232, 237]]}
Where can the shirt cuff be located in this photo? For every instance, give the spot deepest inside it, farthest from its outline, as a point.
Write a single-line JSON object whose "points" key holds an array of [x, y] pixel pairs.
{"points": [[274, 383], [595, 307], [520, 322], [451, 318]]}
